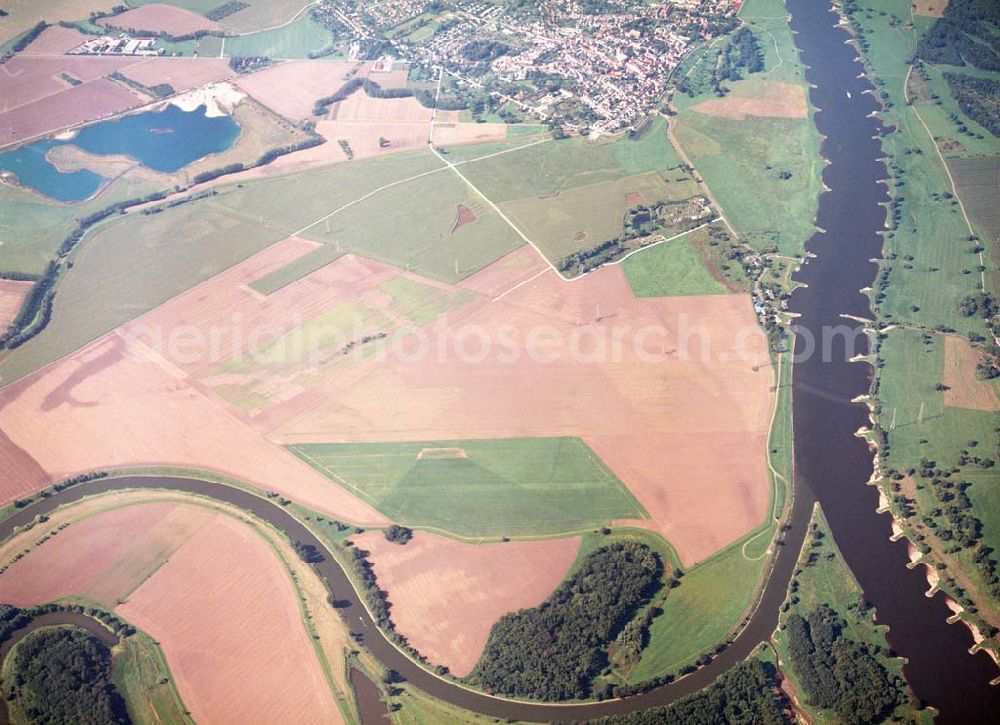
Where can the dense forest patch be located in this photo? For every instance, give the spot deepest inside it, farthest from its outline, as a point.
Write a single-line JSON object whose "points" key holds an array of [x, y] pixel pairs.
{"points": [[553, 651], [839, 673], [64, 676]]}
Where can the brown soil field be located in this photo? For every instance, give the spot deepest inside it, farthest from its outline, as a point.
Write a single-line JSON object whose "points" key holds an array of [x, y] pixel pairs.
{"points": [[116, 403], [227, 616], [690, 379], [184, 515], [104, 557], [773, 99], [520, 265], [464, 216], [28, 79], [25, 14], [181, 73], [453, 134], [965, 389], [79, 104], [54, 40], [929, 8], [359, 106], [446, 595], [365, 137], [159, 18], [12, 294], [293, 87]]}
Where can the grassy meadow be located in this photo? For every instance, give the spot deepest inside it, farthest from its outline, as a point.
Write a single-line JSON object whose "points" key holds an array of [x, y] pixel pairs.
{"points": [[143, 678], [299, 39], [700, 613], [520, 487], [670, 269], [743, 160]]}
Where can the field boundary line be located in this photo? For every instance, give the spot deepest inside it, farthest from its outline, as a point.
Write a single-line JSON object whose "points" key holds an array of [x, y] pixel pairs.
{"points": [[496, 208], [520, 284]]}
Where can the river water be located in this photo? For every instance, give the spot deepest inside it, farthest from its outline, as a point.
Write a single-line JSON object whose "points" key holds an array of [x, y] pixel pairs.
{"points": [[831, 463]]}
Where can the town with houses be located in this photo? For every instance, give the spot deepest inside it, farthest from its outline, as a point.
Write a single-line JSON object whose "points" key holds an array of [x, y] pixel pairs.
{"points": [[609, 60]]}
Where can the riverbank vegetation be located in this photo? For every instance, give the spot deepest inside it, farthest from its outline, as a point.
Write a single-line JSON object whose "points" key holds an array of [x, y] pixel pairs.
{"points": [[829, 646], [747, 694], [936, 259]]}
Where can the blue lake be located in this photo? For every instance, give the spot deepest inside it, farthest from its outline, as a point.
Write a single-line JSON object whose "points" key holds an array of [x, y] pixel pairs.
{"points": [[165, 141]]}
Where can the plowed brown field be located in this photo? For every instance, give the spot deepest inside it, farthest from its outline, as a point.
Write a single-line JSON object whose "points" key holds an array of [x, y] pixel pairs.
{"points": [[446, 595]]}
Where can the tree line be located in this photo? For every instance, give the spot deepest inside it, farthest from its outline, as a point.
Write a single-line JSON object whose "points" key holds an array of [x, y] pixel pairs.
{"points": [[553, 652], [746, 694]]}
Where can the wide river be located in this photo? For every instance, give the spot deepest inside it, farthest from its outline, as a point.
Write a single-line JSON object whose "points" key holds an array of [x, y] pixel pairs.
{"points": [[832, 465]]}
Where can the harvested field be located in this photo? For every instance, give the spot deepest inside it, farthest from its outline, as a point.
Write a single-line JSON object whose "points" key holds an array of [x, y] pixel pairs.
{"points": [[691, 378], [157, 18], [79, 104], [507, 272], [977, 180], [226, 614], [760, 98], [12, 294], [454, 134], [359, 106], [54, 40], [58, 420], [446, 595], [25, 14], [929, 8], [965, 390], [366, 137], [103, 557], [28, 79], [181, 73], [292, 88]]}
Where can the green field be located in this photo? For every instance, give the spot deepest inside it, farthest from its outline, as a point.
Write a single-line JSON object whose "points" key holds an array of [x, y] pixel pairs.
{"points": [[912, 369], [32, 226], [413, 225], [670, 269], [519, 487], [296, 269], [935, 266], [701, 612], [573, 194], [297, 40], [129, 266], [258, 15], [544, 169], [828, 580], [742, 160], [142, 676]]}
